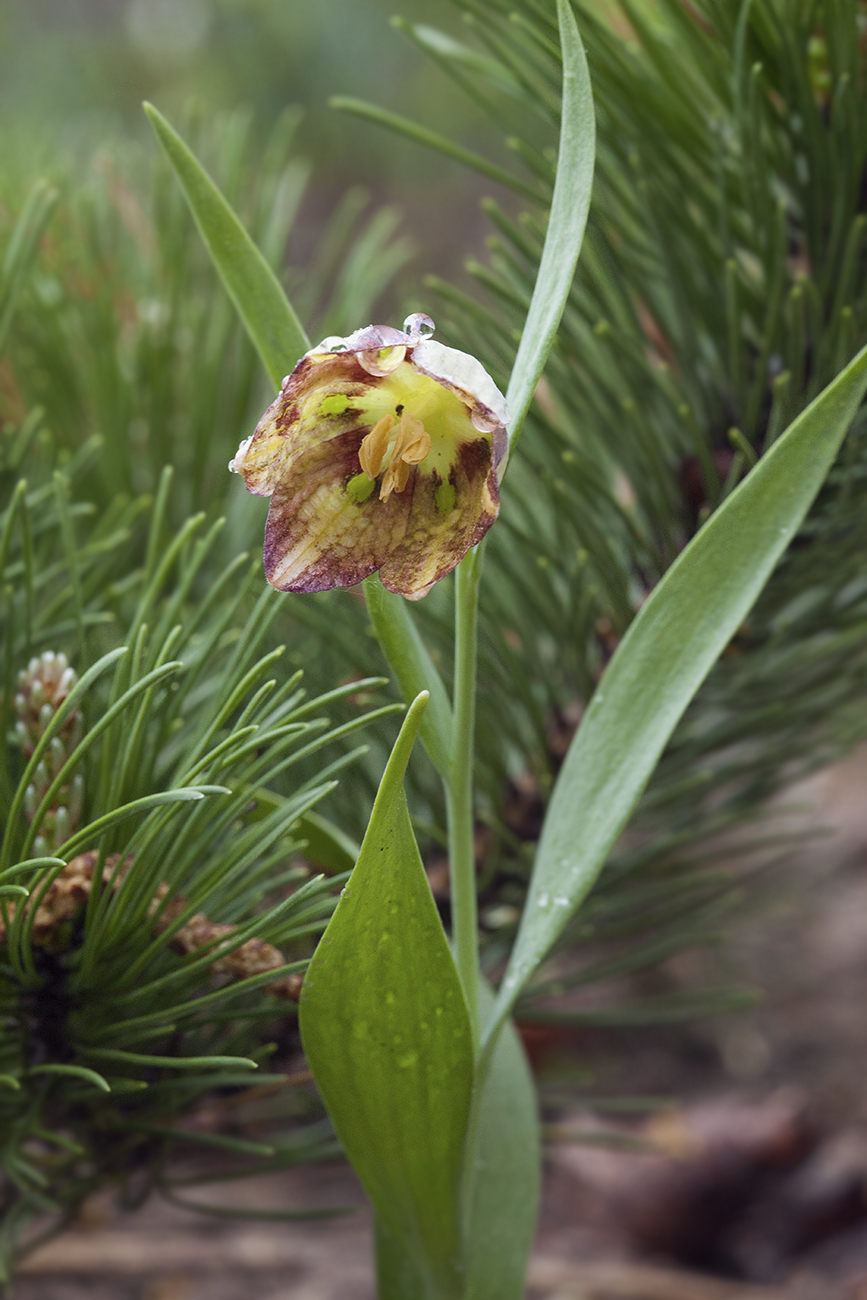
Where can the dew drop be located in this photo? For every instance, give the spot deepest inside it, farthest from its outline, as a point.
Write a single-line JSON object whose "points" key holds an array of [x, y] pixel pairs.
{"points": [[419, 326]]}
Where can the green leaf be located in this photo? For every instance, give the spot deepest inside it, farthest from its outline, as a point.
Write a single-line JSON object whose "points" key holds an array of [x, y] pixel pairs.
{"points": [[454, 55], [665, 656], [433, 140], [219, 1141], [74, 1071], [118, 1055], [503, 1173], [409, 659], [327, 845], [21, 251], [30, 863], [259, 1215], [268, 316], [184, 794], [398, 1274], [569, 207], [387, 1037]]}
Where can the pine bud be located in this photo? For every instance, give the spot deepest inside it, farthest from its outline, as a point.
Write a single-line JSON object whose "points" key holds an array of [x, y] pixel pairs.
{"points": [[42, 689]]}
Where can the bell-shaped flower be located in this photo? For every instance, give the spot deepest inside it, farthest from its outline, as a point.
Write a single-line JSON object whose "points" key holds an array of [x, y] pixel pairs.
{"points": [[380, 452]]}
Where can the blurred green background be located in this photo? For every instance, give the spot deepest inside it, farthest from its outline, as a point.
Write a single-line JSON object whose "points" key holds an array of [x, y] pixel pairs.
{"points": [[73, 74]]}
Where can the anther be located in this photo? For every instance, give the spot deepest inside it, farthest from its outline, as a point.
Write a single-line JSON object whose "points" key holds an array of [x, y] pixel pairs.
{"points": [[374, 445], [411, 447]]}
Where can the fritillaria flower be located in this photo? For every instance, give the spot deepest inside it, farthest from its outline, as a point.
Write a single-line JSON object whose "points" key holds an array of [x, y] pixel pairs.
{"points": [[380, 452]]}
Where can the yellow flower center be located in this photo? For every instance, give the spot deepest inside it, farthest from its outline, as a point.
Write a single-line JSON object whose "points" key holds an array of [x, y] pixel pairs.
{"points": [[408, 448]]}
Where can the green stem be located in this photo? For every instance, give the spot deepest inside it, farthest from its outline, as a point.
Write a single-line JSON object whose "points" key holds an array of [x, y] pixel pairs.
{"points": [[459, 786]]}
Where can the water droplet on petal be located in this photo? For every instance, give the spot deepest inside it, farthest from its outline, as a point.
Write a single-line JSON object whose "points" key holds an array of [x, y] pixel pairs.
{"points": [[484, 420], [419, 326]]}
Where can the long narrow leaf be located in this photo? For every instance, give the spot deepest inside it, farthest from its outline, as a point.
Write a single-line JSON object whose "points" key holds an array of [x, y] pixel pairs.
{"points": [[661, 662], [268, 315], [21, 250], [75, 1071], [433, 140], [569, 208]]}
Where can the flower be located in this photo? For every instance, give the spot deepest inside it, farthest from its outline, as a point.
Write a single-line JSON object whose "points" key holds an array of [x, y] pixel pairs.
{"points": [[380, 452]]}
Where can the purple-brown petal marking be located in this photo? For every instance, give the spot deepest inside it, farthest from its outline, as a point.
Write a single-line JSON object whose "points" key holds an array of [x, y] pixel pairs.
{"points": [[434, 542], [316, 536]]}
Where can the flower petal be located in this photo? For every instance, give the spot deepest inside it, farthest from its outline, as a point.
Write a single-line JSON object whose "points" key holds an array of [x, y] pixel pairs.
{"points": [[466, 377], [326, 395], [319, 535], [446, 517]]}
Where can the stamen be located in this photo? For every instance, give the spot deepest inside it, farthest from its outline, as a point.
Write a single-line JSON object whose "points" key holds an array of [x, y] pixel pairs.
{"points": [[374, 445], [416, 440], [389, 483], [411, 447], [395, 479]]}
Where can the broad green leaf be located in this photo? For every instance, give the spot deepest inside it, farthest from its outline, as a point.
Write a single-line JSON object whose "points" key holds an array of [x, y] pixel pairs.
{"points": [[501, 1184], [503, 1173], [268, 316], [665, 656], [568, 217], [398, 1275], [409, 659], [387, 1036]]}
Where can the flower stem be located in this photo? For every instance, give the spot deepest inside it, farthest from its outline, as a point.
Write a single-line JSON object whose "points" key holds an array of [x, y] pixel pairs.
{"points": [[459, 786]]}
